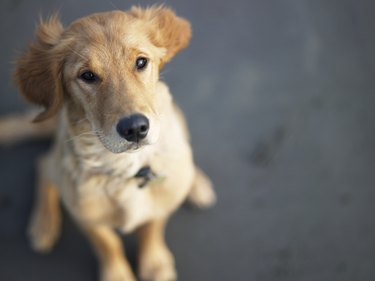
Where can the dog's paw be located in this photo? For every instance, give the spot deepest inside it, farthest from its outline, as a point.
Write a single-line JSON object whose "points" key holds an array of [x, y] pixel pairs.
{"points": [[202, 194], [44, 230], [117, 271], [157, 265]]}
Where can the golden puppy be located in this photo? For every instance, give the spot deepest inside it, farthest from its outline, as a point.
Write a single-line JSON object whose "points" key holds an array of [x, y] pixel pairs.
{"points": [[121, 157]]}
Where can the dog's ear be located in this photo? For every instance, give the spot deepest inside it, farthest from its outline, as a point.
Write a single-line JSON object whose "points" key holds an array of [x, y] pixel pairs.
{"points": [[38, 70], [168, 31]]}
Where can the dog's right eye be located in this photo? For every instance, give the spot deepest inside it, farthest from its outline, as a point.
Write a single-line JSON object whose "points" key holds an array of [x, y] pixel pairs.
{"points": [[88, 77]]}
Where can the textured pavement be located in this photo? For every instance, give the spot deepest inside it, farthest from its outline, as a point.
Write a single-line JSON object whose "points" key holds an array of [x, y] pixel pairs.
{"points": [[280, 101]]}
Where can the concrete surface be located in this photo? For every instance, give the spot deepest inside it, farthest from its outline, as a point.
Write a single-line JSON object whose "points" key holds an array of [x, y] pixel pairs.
{"points": [[280, 100]]}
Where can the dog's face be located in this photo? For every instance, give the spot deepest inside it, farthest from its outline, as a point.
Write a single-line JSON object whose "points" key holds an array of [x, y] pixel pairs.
{"points": [[108, 66], [112, 73]]}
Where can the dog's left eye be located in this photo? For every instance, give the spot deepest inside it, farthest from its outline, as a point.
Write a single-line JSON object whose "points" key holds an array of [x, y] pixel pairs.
{"points": [[88, 77], [141, 63]]}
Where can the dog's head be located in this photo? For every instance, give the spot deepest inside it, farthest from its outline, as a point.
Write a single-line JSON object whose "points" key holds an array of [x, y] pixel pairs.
{"points": [[107, 66]]}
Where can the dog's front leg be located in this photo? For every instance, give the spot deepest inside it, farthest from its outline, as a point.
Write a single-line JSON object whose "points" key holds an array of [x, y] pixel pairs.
{"points": [[45, 222], [156, 262], [109, 249]]}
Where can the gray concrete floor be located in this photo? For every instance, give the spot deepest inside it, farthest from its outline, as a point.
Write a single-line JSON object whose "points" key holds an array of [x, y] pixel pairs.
{"points": [[280, 100]]}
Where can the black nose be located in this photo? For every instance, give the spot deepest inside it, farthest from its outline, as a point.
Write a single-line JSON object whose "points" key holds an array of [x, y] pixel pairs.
{"points": [[133, 128]]}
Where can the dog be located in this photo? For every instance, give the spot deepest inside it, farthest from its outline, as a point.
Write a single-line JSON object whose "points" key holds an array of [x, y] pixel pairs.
{"points": [[121, 157]]}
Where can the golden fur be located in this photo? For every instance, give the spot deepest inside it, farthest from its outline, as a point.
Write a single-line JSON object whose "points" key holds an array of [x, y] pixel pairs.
{"points": [[90, 167]]}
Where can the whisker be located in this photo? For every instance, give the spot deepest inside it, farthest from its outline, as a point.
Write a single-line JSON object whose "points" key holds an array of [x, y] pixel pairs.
{"points": [[89, 133], [109, 114], [81, 120], [163, 72], [113, 5], [78, 54]]}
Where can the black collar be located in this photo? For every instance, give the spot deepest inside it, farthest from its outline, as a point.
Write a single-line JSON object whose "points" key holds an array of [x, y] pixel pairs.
{"points": [[146, 174]]}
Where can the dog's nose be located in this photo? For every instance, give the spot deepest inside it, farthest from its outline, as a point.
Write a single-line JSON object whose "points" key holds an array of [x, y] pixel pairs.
{"points": [[133, 128]]}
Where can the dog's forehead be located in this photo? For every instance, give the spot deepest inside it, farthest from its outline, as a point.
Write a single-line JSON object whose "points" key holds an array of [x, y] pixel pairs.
{"points": [[112, 36], [110, 29]]}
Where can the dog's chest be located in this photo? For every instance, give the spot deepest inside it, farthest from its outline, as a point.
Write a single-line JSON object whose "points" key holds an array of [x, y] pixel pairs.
{"points": [[99, 186], [102, 187]]}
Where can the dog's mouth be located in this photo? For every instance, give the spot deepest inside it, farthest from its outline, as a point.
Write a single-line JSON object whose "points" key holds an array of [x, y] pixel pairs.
{"points": [[134, 147], [122, 146], [119, 145]]}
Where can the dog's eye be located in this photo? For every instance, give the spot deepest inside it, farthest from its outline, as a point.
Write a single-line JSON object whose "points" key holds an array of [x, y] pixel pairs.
{"points": [[88, 77], [141, 63]]}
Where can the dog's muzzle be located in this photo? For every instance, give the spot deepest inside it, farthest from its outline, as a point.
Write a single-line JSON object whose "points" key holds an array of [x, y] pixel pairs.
{"points": [[133, 128]]}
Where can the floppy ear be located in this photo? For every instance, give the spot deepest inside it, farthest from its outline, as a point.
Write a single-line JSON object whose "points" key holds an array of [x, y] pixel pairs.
{"points": [[38, 70], [167, 30]]}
